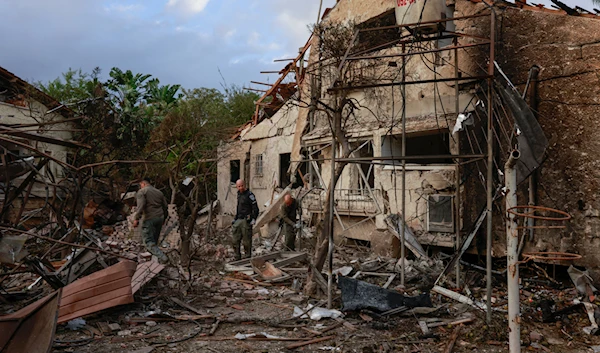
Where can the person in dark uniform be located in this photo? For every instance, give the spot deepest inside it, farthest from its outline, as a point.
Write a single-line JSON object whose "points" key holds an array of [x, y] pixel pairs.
{"points": [[245, 218], [288, 216], [151, 204]]}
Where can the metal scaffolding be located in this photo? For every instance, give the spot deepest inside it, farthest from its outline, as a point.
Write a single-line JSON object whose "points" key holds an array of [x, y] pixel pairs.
{"points": [[478, 153]]}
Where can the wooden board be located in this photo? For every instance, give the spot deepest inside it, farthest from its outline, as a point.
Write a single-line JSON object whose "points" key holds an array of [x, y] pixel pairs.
{"points": [[144, 273], [32, 328], [271, 212], [98, 291]]}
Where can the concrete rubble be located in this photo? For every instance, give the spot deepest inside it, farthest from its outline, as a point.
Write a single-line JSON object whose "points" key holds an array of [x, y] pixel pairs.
{"points": [[86, 283]]}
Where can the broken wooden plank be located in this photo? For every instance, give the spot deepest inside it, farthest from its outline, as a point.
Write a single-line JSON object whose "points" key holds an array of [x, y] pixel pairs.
{"points": [[302, 344], [266, 257], [290, 258], [389, 281], [451, 323], [271, 212], [381, 274], [318, 277], [144, 273], [186, 306], [453, 339]]}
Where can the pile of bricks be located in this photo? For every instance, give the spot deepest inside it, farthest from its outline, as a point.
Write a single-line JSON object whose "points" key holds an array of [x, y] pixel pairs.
{"points": [[170, 231]]}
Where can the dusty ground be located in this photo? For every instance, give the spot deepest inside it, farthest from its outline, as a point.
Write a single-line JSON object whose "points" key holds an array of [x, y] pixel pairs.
{"points": [[241, 310]]}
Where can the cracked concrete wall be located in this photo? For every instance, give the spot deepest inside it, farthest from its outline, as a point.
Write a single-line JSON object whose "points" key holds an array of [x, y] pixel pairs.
{"points": [[567, 50]]}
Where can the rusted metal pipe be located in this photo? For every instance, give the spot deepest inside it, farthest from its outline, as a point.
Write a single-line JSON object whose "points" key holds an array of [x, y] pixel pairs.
{"points": [[331, 223], [403, 230], [512, 254], [457, 176], [490, 164]]}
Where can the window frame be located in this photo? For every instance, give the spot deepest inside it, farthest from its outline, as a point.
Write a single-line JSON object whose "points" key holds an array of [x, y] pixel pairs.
{"points": [[440, 227]]}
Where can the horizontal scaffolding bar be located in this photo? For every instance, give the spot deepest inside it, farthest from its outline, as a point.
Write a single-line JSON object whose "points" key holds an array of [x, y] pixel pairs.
{"points": [[453, 47], [375, 85], [261, 83], [395, 158], [423, 23]]}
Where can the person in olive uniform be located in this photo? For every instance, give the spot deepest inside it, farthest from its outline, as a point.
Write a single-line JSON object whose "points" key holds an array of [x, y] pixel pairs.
{"points": [[245, 218], [151, 204], [288, 216]]}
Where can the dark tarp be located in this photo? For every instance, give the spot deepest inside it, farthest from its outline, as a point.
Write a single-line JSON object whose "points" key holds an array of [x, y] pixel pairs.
{"points": [[357, 295], [532, 141]]}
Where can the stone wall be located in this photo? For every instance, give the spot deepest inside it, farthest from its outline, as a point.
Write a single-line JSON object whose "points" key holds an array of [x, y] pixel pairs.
{"points": [[567, 50]]}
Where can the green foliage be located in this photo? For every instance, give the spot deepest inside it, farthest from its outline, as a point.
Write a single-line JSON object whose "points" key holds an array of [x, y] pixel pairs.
{"points": [[73, 86], [190, 134], [132, 116]]}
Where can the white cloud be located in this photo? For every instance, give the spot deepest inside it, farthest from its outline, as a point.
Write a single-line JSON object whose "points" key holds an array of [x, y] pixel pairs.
{"points": [[187, 7], [123, 8]]}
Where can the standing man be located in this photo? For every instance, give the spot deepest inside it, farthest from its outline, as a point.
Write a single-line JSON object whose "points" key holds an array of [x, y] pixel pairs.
{"points": [[288, 216], [151, 203], [245, 218]]}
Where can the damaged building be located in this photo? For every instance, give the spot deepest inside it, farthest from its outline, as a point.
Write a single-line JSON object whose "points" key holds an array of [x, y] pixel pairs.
{"points": [[423, 74], [36, 133]]}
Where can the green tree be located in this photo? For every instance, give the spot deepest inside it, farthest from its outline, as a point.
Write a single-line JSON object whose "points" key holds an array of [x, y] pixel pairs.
{"points": [[188, 139], [74, 87]]}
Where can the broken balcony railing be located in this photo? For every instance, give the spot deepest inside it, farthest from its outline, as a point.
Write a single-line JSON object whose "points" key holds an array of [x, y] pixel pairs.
{"points": [[350, 202]]}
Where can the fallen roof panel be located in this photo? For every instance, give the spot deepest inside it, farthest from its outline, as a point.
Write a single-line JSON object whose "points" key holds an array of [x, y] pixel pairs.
{"points": [[32, 328], [98, 291]]}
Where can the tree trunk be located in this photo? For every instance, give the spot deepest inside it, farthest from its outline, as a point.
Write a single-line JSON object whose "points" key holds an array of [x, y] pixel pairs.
{"points": [[186, 237], [323, 238]]}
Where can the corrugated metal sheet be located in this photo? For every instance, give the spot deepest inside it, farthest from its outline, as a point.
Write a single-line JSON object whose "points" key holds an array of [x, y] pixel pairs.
{"points": [[31, 329], [100, 290]]}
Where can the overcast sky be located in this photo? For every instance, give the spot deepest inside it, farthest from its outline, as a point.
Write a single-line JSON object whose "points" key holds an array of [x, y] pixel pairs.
{"points": [[177, 41]]}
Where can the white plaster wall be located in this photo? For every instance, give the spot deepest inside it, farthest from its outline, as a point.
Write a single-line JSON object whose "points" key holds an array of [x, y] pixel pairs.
{"points": [[35, 113], [227, 193], [271, 148]]}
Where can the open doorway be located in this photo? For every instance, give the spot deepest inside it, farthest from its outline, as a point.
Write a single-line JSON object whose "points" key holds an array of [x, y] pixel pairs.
{"points": [[285, 160]]}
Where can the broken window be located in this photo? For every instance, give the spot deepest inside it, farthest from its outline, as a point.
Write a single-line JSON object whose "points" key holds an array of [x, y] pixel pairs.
{"points": [[284, 177], [258, 165], [363, 174], [422, 145], [234, 171], [440, 215], [374, 40]]}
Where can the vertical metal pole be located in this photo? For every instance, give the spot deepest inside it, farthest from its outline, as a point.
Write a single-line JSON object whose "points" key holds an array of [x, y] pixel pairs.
{"points": [[331, 221], [533, 103], [490, 167], [457, 147], [512, 255], [319, 14], [403, 230]]}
